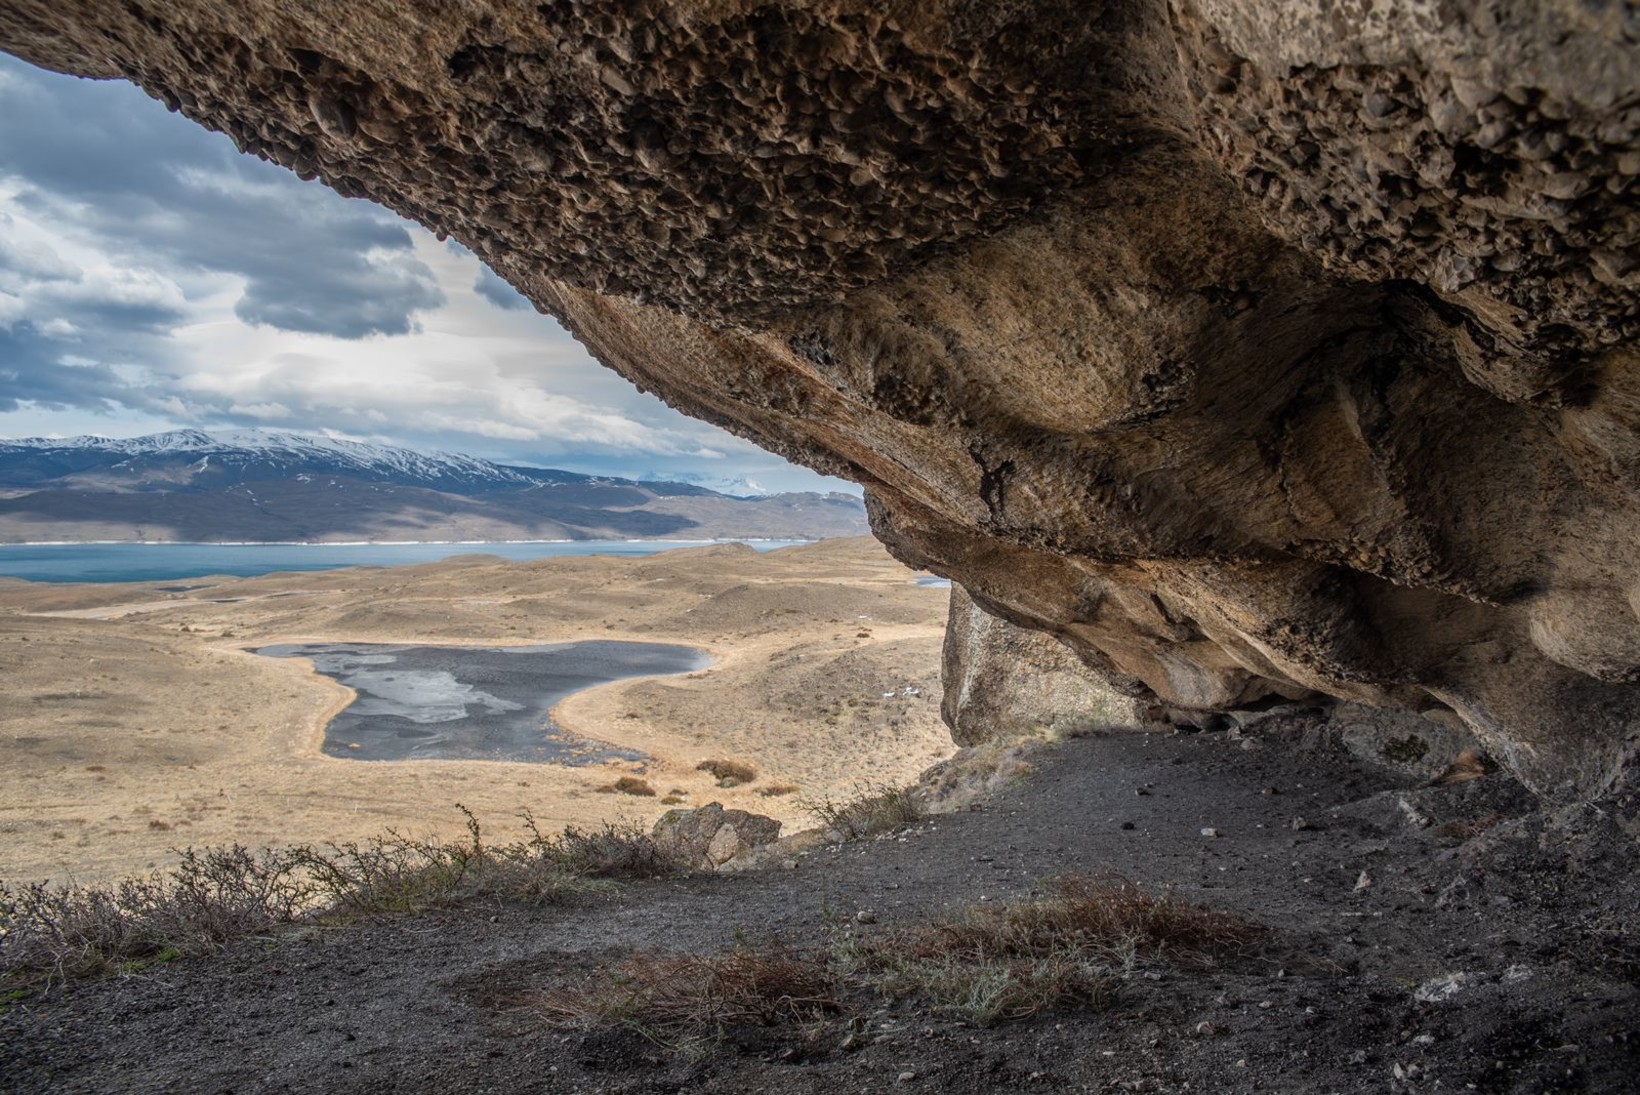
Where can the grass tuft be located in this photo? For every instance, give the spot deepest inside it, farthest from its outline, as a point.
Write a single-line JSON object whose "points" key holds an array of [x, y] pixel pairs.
{"points": [[674, 995], [728, 773], [874, 808], [987, 964], [1074, 945], [629, 785]]}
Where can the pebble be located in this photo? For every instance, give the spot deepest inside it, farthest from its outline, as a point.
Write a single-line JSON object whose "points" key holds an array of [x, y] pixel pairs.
{"points": [[1210, 832], [907, 1077], [1299, 824], [865, 916], [1364, 882], [1127, 825]]}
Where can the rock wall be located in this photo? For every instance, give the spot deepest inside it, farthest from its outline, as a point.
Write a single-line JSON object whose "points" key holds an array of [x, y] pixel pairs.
{"points": [[1003, 681], [1256, 351]]}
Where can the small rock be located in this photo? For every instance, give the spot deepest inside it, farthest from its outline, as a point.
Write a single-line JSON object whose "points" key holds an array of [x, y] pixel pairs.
{"points": [[1299, 824], [1127, 825], [1205, 1028], [1213, 833], [907, 1077], [865, 916], [1363, 882]]}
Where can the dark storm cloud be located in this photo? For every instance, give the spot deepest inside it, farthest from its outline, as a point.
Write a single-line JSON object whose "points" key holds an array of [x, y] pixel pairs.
{"points": [[171, 194], [30, 372]]}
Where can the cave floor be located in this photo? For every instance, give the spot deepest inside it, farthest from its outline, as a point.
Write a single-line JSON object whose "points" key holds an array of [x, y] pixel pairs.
{"points": [[1433, 938]]}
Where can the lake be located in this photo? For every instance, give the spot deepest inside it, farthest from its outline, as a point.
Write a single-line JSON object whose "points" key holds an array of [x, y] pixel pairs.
{"points": [[169, 562], [476, 703]]}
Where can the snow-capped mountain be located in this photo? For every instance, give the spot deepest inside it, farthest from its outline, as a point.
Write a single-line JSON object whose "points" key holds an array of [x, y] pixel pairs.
{"points": [[240, 453], [272, 485], [734, 486]]}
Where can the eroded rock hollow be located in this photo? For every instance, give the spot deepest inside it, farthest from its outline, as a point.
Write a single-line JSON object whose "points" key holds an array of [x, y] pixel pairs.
{"points": [[1256, 351]]}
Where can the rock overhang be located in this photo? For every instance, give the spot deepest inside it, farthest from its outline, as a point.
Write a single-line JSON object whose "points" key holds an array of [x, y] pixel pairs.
{"points": [[1253, 351]]}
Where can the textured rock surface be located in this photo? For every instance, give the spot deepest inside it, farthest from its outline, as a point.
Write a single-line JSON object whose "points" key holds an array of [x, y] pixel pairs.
{"points": [[709, 837], [1257, 351], [1004, 681]]}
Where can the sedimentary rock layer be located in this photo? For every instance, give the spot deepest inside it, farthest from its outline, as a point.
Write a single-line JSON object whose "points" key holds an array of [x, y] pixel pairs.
{"points": [[1256, 351]]}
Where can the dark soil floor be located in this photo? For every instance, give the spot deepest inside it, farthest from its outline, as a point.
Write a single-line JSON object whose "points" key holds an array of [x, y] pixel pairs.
{"points": [[1450, 938]]}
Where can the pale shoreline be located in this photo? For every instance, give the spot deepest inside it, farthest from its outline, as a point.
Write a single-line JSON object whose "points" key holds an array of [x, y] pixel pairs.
{"points": [[171, 732]]}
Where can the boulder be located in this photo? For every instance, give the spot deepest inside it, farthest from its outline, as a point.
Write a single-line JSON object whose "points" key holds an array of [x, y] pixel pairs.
{"points": [[1002, 681], [709, 837]]}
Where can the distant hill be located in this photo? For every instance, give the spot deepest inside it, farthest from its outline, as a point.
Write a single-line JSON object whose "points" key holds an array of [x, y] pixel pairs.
{"points": [[266, 485]]}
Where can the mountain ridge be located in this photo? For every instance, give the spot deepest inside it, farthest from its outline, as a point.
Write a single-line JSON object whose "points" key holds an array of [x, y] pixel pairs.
{"points": [[270, 485]]}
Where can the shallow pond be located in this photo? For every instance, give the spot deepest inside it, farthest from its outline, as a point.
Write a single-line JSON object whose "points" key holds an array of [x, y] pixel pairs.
{"points": [[476, 703]]}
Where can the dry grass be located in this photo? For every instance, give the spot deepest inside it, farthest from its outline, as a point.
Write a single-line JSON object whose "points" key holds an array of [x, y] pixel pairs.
{"points": [[874, 808], [1106, 916], [217, 895], [684, 994], [728, 773], [209, 898], [1073, 947], [629, 785]]}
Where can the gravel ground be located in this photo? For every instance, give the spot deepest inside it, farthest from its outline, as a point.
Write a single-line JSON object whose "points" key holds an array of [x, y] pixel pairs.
{"points": [[1445, 938]]}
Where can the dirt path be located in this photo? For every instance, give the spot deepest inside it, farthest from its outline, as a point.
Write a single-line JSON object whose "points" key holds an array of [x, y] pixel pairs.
{"points": [[1432, 939]]}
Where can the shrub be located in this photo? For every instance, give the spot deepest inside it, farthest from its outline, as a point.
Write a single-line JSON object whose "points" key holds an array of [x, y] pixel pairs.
{"points": [[210, 897], [875, 808], [628, 785], [216, 895], [728, 773], [613, 850]]}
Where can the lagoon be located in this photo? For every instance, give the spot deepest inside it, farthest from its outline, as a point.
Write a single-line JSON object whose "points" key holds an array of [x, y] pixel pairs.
{"points": [[167, 562], [476, 703]]}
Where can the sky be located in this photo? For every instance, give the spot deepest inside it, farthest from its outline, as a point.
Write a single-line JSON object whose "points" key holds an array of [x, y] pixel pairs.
{"points": [[153, 278]]}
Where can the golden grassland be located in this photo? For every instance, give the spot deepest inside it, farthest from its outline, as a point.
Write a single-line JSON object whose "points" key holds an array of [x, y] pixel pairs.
{"points": [[136, 721]]}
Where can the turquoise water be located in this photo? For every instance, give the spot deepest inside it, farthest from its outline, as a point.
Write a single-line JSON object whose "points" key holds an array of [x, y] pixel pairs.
{"points": [[169, 562]]}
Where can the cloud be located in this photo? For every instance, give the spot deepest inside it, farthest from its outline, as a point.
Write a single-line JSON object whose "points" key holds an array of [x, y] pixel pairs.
{"points": [[152, 277], [308, 260], [493, 288]]}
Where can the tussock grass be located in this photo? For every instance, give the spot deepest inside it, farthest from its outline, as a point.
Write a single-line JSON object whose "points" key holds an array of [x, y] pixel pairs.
{"points": [[675, 995], [728, 773], [1072, 947], [629, 785], [1104, 916], [216, 895], [874, 808]]}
